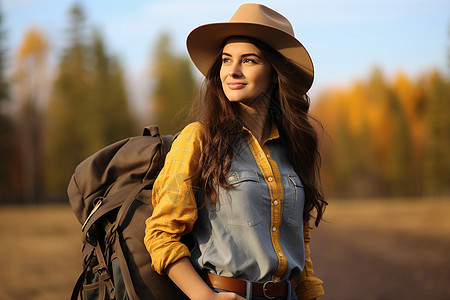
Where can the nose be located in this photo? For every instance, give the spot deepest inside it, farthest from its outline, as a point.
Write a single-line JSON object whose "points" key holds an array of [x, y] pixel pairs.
{"points": [[235, 70]]}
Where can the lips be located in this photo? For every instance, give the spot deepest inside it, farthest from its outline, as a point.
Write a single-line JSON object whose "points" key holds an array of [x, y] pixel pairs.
{"points": [[236, 85]]}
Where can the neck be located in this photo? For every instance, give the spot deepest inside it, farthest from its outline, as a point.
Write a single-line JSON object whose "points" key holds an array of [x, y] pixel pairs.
{"points": [[257, 121]]}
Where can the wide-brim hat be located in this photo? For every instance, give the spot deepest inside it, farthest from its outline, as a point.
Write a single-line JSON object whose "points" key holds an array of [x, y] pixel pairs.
{"points": [[251, 20]]}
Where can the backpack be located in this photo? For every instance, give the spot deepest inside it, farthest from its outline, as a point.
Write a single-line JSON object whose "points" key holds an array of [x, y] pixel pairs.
{"points": [[110, 194]]}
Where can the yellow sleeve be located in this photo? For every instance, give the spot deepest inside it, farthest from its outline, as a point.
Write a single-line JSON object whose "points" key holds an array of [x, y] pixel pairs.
{"points": [[175, 209], [308, 286]]}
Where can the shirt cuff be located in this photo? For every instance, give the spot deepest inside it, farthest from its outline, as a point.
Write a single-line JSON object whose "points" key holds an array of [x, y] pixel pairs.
{"points": [[162, 259]]}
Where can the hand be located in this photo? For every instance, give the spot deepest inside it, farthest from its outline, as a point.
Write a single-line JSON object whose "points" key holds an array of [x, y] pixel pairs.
{"points": [[187, 279]]}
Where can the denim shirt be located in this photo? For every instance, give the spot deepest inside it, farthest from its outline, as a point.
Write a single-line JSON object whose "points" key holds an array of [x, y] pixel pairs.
{"points": [[235, 237]]}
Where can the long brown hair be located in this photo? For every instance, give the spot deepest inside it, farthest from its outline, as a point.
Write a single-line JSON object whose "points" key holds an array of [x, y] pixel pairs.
{"points": [[288, 110]]}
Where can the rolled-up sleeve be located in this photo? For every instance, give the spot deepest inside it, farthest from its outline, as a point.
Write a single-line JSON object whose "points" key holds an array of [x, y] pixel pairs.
{"points": [[308, 286], [175, 208]]}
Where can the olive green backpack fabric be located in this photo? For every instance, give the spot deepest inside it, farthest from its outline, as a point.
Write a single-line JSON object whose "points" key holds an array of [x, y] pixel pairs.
{"points": [[110, 194]]}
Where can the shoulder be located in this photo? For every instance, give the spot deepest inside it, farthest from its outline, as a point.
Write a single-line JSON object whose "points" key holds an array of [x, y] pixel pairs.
{"points": [[190, 137], [193, 131]]}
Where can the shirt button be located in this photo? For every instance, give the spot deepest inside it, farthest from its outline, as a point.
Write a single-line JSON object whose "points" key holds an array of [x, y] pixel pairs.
{"points": [[270, 179], [280, 254], [268, 156], [275, 202], [274, 228]]}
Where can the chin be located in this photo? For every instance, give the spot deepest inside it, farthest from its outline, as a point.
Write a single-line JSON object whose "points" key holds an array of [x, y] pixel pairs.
{"points": [[235, 100], [238, 99]]}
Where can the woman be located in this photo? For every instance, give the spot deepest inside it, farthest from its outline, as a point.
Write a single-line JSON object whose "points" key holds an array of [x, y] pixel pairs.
{"points": [[243, 180]]}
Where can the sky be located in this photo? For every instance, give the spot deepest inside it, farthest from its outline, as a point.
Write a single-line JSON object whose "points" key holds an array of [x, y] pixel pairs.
{"points": [[345, 38]]}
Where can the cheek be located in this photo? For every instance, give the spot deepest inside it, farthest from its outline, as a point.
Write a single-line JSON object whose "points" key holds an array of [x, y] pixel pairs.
{"points": [[222, 76], [223, 72]]}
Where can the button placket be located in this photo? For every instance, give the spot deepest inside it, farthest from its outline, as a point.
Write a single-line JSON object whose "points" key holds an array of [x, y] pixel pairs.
{"points": [[271, 175]]}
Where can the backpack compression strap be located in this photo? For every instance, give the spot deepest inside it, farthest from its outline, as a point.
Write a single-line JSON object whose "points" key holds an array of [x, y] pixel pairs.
{"points": [[102, 271]]}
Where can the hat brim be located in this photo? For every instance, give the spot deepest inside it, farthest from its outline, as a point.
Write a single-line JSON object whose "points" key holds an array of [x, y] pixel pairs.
{"points": [[205, 42]]}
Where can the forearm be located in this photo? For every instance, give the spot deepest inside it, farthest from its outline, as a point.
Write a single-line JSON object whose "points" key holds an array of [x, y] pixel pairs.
{"points": [[187, 279]]}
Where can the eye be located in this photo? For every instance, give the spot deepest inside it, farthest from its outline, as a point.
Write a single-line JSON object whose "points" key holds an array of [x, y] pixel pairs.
{"points": [[225, 60], [249, 61]]}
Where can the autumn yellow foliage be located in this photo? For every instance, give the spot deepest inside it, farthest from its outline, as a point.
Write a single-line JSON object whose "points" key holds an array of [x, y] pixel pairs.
{"points": [[386, 137]]}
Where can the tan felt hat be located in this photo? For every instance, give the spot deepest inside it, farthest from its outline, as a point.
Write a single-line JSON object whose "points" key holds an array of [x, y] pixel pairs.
{"points": [[252, 20]]}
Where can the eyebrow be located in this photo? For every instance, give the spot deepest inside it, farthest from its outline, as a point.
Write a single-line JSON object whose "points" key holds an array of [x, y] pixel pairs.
{"points": [[244, 55]]}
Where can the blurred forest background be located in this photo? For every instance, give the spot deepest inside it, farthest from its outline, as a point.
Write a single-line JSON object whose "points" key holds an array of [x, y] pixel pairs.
{"points": [[384, 137]]}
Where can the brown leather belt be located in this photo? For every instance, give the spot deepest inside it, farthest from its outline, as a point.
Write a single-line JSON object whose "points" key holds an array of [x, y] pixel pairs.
{"points": [[268, 289]]}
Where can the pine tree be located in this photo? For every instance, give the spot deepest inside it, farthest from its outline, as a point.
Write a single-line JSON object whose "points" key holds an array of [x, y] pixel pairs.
{"points": [[174, 89], [399, 159], [108, 95], [66, 143], [8, 142], [437, 158], [89, 107]]}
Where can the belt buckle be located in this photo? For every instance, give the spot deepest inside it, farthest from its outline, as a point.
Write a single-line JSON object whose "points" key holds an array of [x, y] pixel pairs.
{"points": [[264, 290]]}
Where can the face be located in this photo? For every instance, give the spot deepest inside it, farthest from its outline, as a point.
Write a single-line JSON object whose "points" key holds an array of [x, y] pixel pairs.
{"points": [[245, 75]]}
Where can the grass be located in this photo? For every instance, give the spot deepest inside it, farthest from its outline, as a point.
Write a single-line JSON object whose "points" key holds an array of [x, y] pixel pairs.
{"points": [[40, 246], [40, 252], [420, 217], [384, 249]]}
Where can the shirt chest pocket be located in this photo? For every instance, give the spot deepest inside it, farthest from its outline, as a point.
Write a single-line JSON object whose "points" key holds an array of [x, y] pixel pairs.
{"points": [[242, 202], [294, 200]]}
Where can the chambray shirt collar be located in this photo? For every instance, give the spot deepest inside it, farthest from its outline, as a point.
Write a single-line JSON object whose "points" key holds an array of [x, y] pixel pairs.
{"points": [[274, 133]]}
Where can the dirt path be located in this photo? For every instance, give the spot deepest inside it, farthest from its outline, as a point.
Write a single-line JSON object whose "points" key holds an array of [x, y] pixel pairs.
{"points": [[358, 261]]}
